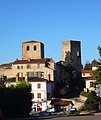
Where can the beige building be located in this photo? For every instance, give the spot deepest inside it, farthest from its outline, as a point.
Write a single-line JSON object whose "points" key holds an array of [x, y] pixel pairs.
{"points": [[35, 69], [42, 68], [33, 64], [74, 48]]}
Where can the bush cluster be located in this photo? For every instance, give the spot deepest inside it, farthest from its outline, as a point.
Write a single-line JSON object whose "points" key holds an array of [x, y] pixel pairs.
{"points": [[15, 101]]}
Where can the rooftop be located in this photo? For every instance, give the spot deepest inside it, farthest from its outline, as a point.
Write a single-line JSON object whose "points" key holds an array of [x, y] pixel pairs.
{"points": [[29, 61], [32, 41]]}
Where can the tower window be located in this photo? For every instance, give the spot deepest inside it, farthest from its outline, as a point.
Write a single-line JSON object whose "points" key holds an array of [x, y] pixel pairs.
{"points": [[27, 48], [35, 47], [78, 54]]}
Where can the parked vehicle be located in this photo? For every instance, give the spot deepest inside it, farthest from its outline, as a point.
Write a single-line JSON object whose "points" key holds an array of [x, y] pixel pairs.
{"points": [[50, 110], [47, 112], [72, 111]]}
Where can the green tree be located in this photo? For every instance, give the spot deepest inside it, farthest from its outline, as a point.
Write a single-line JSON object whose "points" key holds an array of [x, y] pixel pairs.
{"points": [[99, 48], [68, 60], [16, 101], [22, 84], [70, 83], [94, 63], [88, 66], [98, 71], [92, 102]]}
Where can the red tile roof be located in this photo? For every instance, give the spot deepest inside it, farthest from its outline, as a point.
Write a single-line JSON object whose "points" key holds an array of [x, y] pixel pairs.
{"points": [[29, 61], [60, 102], [87, 71]]}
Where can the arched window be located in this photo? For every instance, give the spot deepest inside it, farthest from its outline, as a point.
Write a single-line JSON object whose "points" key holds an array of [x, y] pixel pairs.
{"points": [[27, 48], [34, 47]]}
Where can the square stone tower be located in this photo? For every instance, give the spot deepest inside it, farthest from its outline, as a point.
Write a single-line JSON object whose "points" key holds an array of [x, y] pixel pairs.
{"points": [[74, 47], [33, 50]]}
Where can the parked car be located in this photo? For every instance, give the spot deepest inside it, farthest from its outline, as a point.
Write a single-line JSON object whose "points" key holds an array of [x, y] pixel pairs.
{"points": [[47, 112], [50, 110], [72, 111]]}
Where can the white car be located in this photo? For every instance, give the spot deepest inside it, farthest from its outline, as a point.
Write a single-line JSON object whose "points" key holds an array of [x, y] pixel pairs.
{"points": [[50, 110]]}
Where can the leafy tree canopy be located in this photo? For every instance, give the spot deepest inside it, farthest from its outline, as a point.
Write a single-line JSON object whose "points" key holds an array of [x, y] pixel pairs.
{"points": [[22, 84], [98, 71], [68, 60]]}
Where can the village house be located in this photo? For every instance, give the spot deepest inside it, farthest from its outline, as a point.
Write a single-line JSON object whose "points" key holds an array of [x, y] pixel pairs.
{"points": [[89, 79]]}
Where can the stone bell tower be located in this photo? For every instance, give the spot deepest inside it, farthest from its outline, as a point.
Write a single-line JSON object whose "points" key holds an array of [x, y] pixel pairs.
{"points": [[33, 50]]}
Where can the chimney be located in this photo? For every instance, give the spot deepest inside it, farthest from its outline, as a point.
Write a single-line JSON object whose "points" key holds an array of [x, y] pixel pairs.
{"points": [[16, 59], [29, 59], [17, 78]]}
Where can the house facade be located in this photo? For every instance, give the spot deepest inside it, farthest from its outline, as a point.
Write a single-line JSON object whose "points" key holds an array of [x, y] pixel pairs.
{"points": [[42, 68], [41, 92], [87, 73], [89, 78], [89, 84]]}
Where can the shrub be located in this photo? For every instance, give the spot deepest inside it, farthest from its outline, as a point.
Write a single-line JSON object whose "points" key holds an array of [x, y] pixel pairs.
{"points": [[15, 101], [92, 102]]}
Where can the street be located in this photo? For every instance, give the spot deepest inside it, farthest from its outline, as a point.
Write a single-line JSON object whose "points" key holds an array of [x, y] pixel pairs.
{"points": [[90, 117], [96, 116]]}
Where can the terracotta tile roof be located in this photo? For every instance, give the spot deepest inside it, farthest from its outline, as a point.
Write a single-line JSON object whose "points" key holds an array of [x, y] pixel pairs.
{"points": [[6, 66], [29, 61], [87, 71], [60, 102], [36, 79]]}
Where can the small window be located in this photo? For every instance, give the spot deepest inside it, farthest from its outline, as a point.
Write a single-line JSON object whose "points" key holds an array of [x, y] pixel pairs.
{"points": [[42, 75], [49, 76], [47, 72], [34, 47], [32, 95], [38, 95], [38, 85], [78, 54], [27, 48], [18, 67], [28, 66], [20, 74], [35, 74], [38, 65], [83, 74], [91, 84], [21, 67]]}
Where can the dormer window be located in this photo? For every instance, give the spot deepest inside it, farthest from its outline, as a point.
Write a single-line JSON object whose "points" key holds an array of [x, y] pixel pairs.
{"points": [[27, 48], [34, 47]]}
